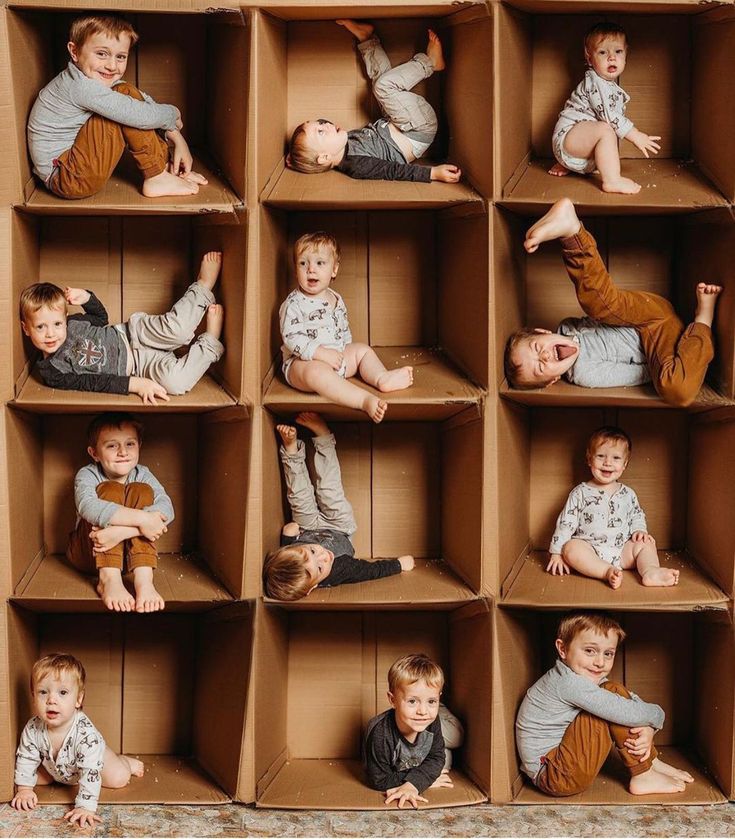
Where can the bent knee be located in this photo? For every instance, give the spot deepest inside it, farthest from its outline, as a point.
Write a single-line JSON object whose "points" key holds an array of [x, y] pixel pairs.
{"points": [[117, 780], [676, 395], [616, 687], [290, 529], [128, 89], [606, 130]]}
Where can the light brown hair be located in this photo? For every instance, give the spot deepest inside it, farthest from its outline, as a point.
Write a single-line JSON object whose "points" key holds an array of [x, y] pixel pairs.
{"points": [[112, 419], [302, 158], [608, 434], [603, 30], [413, 667], [575, 622], [314, 241], [83, 28], [285, 575], [37, 296], [57, 664]]}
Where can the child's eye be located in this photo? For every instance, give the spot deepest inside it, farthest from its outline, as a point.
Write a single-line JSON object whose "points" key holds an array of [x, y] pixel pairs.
{"points": [[63, 692]]}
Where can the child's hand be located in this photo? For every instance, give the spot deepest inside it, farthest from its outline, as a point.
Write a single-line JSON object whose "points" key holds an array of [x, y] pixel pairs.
{"points": [[25, 799], [558, 566], [181, 158], [405, 793], [105, 538], [76, 296], [148, 390], [442, 781], [334, 358], [644, 142], [641, 536], [640, 742], [82, 817], [153, 525], [447, 172], [408, 563]]}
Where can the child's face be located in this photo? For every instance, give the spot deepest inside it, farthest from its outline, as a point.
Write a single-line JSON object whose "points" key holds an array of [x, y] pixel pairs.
{"points": [[590, 654], [318, 563], [607, 57], [416, 707], [102, 57], [325, 139], [544, 357], [55, 699], [117, 451], [315, 270], [608, 461], [46, 327]]}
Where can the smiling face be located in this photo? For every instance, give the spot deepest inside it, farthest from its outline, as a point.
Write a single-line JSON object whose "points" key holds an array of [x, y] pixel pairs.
{"points": [[56, 697], [590, 653], [46, 327], [102, 57], [117, 451], [315, 270], [543, 357], [416, 706], [325, 139], [607, 461], [607, 56]]}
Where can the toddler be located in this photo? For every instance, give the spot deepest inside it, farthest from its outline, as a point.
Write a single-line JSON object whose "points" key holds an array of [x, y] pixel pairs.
{"points": [[60, 743], [83, 352], [121, 511], [319, 354], [593, 118], [85, 118], [629, 338], [406, 748], [384, 149], [316, 551], [572, 716], [602, 529]]}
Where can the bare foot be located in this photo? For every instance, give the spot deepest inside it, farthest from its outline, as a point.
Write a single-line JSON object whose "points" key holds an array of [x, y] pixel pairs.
{"points": [[707, 295], [558, 170], [655, 782], [166, 183], [435, 52], [209, 269], [147, 599], [398, 379], [672, 771], [375, 408], [314, 422], [137, 767], [660, 577], [614, 577], [622, 185], [113, 592], [559, 223], [215, 317], [288, 438], [195, 178], [360, 29]]}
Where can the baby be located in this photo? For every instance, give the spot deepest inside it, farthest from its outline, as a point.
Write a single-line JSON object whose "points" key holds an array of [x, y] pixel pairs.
{"points": [[61, 744], [572, 716], [593, 118], [316, 551], [386, 148], [85, 118], [406, 748], [319, 354], [83, 352], [602, 529], [122, 510]]}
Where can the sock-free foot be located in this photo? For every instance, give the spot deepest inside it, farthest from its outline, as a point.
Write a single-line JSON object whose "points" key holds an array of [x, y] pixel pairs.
{"points": [[314, 422], [167, 183], [558, 170], [362, 30], [195, 178], [707, 297], [147, 599], [652, 782], [137, 767], [375, 408], [614, 577], [287, 434], [621, 185], [559, 223], [398, 379], [435, 52], [215, 319], [660, 577], [672, 771], [209, 269], [111, 589]]}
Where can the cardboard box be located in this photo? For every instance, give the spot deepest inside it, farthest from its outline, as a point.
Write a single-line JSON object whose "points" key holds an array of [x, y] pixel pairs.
{"points": [[304, 67], [171, 689], [197, 62], [309, 720], [683, 662], [678, 78], [664, 254]]}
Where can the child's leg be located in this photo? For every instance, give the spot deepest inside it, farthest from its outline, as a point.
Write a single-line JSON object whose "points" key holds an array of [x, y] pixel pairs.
{"points": [[598, 140], [117, 769], [318, 377], [362, 359], [299, 489], [583, 558], [452, 732], [142, 556], [644, 557]]}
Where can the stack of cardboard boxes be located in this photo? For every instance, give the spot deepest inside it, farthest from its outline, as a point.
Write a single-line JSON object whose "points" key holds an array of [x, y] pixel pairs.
{"points": [[234, 696]]}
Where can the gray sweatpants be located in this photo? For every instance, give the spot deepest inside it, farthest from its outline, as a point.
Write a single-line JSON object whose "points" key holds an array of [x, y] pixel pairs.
{"points": [[328, 508], [153, 338], [408, 111], [452, 732]]}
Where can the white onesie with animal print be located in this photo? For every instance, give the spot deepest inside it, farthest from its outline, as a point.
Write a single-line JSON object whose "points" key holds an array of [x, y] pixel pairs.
{"points": [[604, 521]]}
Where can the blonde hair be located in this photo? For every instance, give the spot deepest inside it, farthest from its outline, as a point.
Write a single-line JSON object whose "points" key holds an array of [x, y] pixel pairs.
{"points": [[512, 368], [301, 156], [56, 664], [608, 434], [38, 295], [572, 624], [413, 667], [314, 241], [83, 28], [285, 575]]}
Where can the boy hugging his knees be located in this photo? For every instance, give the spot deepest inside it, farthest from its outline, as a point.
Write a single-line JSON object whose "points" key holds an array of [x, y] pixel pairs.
{"points": [[319, 354], [407, 747], [122, 510], [629, 338], [85, 118], [572, 716], [602, 528], [60, 743], [316, 551], [85, 352], [387, 148]]}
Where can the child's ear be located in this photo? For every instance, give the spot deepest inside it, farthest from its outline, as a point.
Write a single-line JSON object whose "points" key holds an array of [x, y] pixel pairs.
{"points": [[80, 699], [288, 161], [324, 157], [25, 328], [559, 644], [310, 590], [92, 452], [391, 699], [552, 382], [336, 270], [72, 48]]}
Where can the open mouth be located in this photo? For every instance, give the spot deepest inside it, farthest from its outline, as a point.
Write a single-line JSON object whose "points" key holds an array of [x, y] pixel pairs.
{"points": [[562, 351]]}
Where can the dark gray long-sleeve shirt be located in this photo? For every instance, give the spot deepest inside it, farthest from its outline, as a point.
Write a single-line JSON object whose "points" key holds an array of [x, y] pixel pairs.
{"points": [[371, 153]]}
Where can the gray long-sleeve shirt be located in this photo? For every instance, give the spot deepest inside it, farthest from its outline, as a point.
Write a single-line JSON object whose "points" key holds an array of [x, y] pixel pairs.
{"points": [[69, 100], [554, 701]]}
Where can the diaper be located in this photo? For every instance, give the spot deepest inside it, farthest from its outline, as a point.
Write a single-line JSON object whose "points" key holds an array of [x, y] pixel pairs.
{"points": [[580, 165]]}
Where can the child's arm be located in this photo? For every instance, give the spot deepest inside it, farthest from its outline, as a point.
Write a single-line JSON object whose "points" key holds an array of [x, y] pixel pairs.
{"points": [[378, 761], [90, 95], [90, 760], [347, 569], [636, 518], [27, 761], [609, 374], [94, 312], [583, 693], [294, 331], [161, 502], [181, 159], [566, 526]]}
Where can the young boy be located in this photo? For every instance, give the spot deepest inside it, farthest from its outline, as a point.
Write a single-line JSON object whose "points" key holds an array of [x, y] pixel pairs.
{"points": [[316, 551], [602, 528], [630, 338], [85, 118], [61, 744], [593, 118], [406, 747], [572, 716], [384, 149], [83, 352], [121, 511], [319, 354]]}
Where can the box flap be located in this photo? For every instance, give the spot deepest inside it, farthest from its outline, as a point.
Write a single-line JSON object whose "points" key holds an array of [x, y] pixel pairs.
{"points": [[607, 6]]}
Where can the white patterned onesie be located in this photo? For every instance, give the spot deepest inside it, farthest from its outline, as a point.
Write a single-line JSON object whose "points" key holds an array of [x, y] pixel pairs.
{"points": [[79, 761], [604, 521], [311, 322], [594, 99]]}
